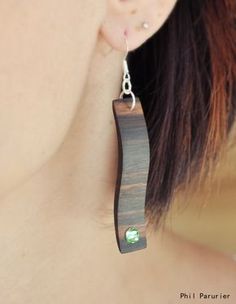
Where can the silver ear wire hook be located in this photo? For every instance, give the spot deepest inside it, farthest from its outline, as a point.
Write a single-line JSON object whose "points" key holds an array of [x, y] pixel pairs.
{"points": [[126, 84], [127, 48]]}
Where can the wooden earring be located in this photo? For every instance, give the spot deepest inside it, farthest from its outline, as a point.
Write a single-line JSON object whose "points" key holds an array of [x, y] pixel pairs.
{"points": [[133, 169]]}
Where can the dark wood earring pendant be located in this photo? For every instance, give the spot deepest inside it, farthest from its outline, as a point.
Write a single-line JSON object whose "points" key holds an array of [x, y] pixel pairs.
{"points": [[133, 169]]}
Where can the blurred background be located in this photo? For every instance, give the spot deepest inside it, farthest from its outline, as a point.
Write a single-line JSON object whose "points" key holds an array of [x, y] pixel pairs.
{"points": [[208, 215]]}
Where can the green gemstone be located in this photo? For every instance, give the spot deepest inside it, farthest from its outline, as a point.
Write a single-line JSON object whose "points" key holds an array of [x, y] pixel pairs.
{"points": [[132, 235]]}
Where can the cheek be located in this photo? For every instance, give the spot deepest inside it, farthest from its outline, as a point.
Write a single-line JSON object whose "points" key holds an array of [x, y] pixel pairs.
{"points": [[44, 60], [29, 134]]}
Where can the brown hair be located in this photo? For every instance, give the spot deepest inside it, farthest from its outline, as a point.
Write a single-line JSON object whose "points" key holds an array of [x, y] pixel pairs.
{"points": [[184, 76]]}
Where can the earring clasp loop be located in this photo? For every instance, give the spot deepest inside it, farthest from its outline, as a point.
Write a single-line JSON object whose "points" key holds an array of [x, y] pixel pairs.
{"points": [[126, 84]]}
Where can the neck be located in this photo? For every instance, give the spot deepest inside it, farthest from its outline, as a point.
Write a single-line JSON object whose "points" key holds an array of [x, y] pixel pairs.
{"points": [[69, 201], [83, 171]]}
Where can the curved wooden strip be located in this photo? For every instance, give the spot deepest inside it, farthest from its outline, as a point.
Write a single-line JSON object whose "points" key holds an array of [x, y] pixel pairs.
{"points": [[133, 168]]}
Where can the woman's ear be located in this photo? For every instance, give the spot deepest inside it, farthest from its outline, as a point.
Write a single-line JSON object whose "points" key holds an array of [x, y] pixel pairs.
{"points": [[137, 20]]}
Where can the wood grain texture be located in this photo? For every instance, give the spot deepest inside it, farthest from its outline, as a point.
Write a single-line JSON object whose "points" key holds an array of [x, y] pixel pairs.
{"points": [[133, 168]]}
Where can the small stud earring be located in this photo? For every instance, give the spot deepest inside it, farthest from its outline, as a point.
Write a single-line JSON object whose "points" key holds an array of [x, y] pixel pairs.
{"points": [[145, 25]]}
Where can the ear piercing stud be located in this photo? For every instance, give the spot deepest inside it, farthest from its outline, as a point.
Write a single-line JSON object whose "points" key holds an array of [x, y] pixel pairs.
{"points": [[145, 25]]}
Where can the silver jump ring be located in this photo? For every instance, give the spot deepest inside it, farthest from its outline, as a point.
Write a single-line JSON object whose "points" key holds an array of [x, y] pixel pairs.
{"points": [[133, 99], [126, 87]]}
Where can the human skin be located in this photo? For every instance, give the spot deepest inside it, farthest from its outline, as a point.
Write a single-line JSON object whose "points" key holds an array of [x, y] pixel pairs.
{"points": [[46, 51], [60, 68]]}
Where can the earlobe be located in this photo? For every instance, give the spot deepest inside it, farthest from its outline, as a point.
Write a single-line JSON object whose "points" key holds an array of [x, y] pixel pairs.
{"points": [[134, 20], [127, 23]]}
